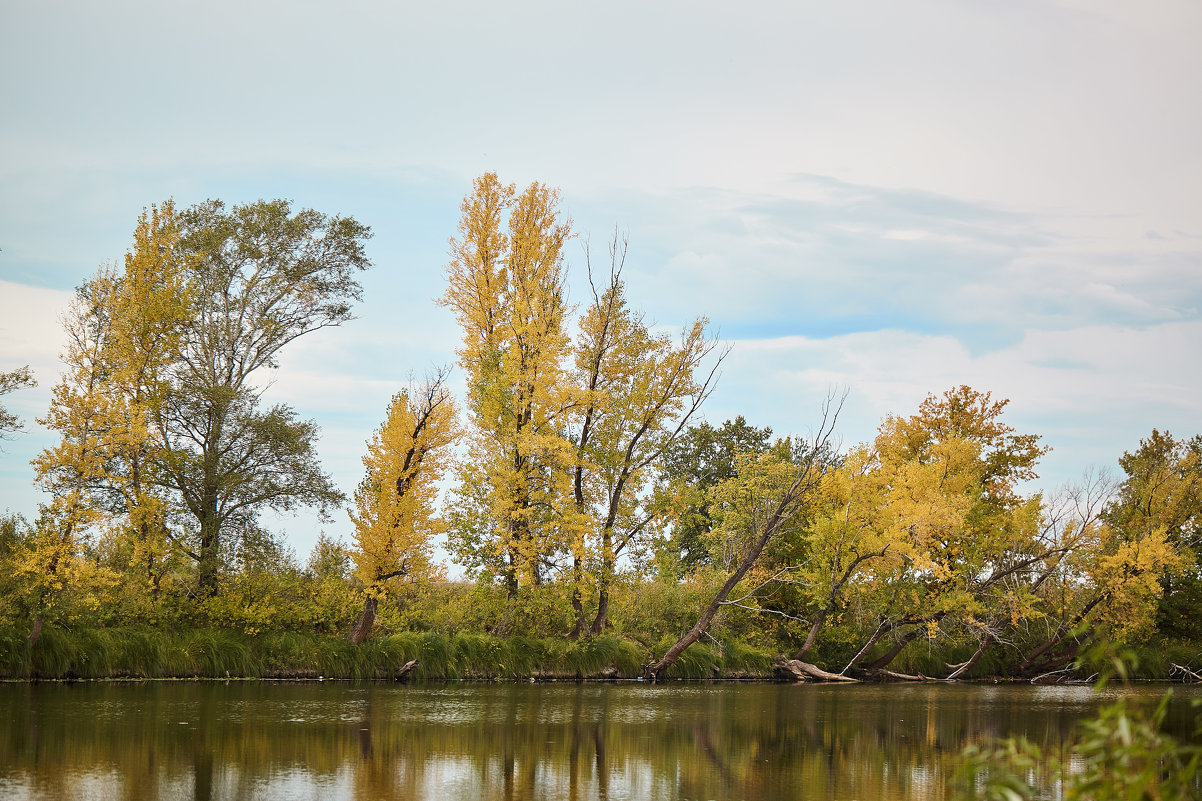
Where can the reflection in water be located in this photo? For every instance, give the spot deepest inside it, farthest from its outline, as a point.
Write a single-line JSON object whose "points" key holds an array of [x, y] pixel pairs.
{"points": [[256, 740]]}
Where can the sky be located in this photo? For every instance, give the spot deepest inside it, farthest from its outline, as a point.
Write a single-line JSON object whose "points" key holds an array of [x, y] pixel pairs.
{"points": [[886, 198]]}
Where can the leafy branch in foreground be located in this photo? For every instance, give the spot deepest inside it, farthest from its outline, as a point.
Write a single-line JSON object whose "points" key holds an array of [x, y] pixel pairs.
{"points": [[1122, 754]]}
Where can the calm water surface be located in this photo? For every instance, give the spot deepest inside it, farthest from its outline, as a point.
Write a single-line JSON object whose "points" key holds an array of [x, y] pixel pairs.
{"points": [[334, 741]]}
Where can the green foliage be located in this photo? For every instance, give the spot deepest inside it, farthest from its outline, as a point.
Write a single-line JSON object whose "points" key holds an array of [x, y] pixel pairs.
{"points": [[215, 653], [590, 657], [9, 381], [704, 457], [649, 611], [1008, 770], [1121, 754], [738, 657]]}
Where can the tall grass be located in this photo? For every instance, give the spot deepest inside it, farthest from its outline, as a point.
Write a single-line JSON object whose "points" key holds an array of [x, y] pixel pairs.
{"points": [[222, 653]]}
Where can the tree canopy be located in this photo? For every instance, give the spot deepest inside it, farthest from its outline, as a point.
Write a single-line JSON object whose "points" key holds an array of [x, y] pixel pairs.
{"points": [[575, 480]]}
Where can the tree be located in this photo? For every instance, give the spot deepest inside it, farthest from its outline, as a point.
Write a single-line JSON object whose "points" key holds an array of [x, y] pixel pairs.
{"points": [[10, 381], [1134, 563], [950, 478], [260, 277], [637, 392], [160, 419], [505, 287], [691, 466], [394, 504], [122, 329], [1163, 492], [764, 500]]}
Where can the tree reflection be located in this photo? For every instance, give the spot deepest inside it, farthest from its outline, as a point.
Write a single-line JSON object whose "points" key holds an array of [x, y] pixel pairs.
{"points": [[217, 742]]}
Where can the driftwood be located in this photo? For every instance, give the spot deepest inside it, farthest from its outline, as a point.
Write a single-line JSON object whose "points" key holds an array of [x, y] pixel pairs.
{"points": [[890, 674], [804, 671], [1052, 677], [404, 670], [1187, 675], [917, 677]]}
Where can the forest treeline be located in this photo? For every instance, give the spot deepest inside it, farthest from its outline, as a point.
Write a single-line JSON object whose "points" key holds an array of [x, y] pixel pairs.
{"points": [[592, 508]]}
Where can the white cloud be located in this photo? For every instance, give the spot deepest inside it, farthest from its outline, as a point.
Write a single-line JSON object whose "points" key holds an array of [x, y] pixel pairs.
{"points": [[1091, 392], [959, 191]]}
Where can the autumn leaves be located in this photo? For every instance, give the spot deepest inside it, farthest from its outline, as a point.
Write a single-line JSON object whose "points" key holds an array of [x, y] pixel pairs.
{"points": [[561, 467], [565, 432]]}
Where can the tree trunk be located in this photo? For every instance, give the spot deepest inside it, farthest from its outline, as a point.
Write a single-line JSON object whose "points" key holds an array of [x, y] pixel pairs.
{"points": [[210, 502], [819, 619], [1063, 631], [867, 646], [1057, 660], [960, 670], [892, 653], [655, 671], [579, 626], [804, 671], [35, 633], [601, 621], [367, 619]]}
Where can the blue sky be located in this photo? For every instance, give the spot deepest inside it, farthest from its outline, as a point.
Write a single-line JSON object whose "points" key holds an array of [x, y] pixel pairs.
{"points": [[888, 198]]}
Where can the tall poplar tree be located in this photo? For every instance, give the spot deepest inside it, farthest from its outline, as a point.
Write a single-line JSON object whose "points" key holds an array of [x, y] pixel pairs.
{"points": [[506, 289], [123, 330]]}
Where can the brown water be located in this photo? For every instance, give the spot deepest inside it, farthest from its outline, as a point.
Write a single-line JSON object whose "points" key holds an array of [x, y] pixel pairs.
{"points": [[334, 741]]}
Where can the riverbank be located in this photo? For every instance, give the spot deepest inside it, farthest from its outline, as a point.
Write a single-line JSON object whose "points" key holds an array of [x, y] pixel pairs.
{"points": [[209, 653], [217, 654]]}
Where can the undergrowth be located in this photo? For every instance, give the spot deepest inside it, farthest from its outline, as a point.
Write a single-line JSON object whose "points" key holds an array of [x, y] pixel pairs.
{"points": [[223, 653]]}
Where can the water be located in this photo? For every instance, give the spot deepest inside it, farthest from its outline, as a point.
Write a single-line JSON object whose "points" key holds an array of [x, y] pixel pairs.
{"points": [[332, 741]]}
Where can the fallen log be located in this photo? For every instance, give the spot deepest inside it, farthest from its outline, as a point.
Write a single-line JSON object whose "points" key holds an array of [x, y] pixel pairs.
{"points": [[1052, 677], [1187, 674], [804, 671], [402, 673], [918, 677]]}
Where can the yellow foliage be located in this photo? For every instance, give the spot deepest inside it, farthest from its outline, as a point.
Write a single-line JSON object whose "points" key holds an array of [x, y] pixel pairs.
{"points": [[1129, 572], [506, 291], [394, 506]]}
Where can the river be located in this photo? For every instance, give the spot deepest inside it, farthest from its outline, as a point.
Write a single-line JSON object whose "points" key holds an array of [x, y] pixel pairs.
{"points": [[238, 741]]}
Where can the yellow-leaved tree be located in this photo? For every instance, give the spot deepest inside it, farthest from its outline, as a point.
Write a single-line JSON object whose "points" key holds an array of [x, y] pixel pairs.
{"points": [[637, 391], [949, 477], [513, 513], [123, 331], [394, 505]]}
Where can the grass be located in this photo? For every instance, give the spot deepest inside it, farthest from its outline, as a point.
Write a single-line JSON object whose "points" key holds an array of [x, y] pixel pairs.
{"points": [[223, 653], [142, 652]]}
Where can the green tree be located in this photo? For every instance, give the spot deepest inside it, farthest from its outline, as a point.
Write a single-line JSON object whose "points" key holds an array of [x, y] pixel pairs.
{"points": [[163, 437], [260, 276], [10, 381], [691, 466]]}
